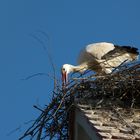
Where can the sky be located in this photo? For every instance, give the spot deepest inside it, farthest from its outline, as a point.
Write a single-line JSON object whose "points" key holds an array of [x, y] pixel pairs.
{"points": [[69, 25]]}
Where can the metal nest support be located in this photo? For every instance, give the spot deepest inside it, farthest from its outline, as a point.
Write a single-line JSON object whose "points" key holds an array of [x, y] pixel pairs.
{"points": [[120, 89]]}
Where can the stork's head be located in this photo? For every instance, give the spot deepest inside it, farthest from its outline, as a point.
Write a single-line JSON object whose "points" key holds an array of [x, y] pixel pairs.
{"points": [[65, 70]]}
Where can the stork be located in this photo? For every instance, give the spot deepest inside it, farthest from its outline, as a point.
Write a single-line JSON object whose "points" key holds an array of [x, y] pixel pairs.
{"points": [[100, 57]]}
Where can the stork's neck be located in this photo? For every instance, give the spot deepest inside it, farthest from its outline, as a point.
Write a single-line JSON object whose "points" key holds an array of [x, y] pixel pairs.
{"points": [[79, 68]]}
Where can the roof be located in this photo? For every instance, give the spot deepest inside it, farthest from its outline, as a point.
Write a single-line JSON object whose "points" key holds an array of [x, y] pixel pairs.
{"points": [[111, 104], [113, 124]]}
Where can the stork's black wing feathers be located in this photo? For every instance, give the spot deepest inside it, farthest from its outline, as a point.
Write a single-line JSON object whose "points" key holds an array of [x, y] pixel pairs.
{"points": [[119, 50], [129, 49]]}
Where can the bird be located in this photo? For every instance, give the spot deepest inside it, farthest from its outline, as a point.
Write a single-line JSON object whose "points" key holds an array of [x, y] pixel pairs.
{"points": [[100, 57]]}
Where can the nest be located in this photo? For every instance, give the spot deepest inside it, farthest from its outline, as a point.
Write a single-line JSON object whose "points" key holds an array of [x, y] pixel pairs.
{"points": [[118, 89]]}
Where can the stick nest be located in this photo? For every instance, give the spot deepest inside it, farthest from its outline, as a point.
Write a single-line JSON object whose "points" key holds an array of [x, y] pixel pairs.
{"points": [[120, 89]]}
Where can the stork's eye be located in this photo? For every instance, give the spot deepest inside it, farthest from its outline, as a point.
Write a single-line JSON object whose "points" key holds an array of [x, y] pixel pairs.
{"points": [[63, 69]]}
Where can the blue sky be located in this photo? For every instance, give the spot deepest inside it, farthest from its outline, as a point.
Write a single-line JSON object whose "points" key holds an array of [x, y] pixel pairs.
{"points": [[70, 25]]}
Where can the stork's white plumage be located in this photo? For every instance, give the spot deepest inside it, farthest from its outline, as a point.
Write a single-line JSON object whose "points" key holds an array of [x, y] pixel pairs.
{"points": [[101, 57]]}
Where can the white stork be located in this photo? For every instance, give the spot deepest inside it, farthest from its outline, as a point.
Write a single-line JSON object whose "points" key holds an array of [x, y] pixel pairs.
{"points": [[100, 57]]}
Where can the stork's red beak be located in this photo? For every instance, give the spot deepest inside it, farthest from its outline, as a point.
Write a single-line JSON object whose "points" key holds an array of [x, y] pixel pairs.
{"points": [[64, 77]]}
